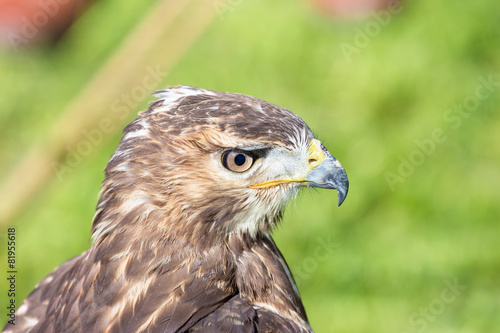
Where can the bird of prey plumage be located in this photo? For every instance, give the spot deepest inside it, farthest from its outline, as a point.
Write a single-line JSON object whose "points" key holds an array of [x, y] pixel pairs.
{"points": [[181, 235]]}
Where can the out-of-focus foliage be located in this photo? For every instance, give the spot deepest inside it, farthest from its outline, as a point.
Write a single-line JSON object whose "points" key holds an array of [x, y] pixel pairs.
{"points": [[400, 100]]}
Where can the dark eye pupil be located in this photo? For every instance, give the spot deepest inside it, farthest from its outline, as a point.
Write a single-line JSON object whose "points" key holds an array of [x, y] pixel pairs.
{"points": [[239, 159]]}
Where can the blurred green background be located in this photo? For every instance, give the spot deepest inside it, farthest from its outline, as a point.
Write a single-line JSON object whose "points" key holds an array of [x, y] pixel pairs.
{"points": [[423, 209]]}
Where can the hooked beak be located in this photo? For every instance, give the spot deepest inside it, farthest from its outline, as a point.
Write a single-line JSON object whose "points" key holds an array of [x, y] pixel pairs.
{"points": [[329, 173], [321, 170]]}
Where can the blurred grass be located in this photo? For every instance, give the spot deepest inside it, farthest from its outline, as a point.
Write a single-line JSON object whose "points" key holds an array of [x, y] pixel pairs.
{"points": [[393, 249]]}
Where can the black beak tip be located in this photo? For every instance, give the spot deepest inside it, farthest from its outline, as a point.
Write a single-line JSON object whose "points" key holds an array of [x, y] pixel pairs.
{"points": [[342, 195], [341, 184]]}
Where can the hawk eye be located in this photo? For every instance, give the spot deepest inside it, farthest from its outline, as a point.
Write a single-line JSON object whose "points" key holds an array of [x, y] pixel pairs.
{"points": [[237, 160]]}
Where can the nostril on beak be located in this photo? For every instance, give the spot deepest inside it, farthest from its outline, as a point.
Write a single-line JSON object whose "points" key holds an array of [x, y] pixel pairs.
{"points": [[315, 153], [313, 162]]}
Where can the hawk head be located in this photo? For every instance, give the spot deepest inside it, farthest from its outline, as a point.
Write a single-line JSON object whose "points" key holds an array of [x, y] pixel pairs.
{"points": [[210, 164], [182, 228]]}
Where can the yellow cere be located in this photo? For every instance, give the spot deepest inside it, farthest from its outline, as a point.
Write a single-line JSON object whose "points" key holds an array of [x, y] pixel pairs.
{"points": [[315, 154]]}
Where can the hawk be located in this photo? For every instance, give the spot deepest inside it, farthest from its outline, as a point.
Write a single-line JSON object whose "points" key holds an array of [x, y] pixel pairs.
{"points": [[182, 230]]}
